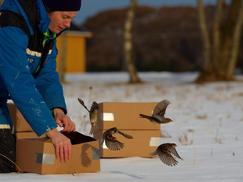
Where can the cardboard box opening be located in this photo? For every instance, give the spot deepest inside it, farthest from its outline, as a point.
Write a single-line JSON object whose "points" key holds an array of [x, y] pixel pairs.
{"points": [[78, 138]]}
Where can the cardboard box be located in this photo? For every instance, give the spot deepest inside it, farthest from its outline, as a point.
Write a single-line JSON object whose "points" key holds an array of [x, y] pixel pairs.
{"points": [[20, 124], [125, 117], [144, 142], [21, 135], [37, 155], [40, 157]]}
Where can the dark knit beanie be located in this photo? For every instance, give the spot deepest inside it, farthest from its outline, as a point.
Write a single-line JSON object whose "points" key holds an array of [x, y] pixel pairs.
{"points": [[62, 5]]}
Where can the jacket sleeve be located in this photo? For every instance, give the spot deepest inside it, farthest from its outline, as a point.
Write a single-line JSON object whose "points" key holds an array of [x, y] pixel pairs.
{"points": [[49, 85], [19, 82]]}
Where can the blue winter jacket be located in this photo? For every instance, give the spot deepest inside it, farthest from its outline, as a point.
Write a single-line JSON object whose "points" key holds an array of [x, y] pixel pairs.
{"points": [[34, 97]]}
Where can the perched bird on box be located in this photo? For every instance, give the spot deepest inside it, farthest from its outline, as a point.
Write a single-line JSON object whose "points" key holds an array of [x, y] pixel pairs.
{"points": [[167, 153], [111, 142], [93, 114], [158, 113]]}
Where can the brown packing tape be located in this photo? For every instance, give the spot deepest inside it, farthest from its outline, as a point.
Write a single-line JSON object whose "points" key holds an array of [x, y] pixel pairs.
{"points": [[88, 154], [96, 154]]}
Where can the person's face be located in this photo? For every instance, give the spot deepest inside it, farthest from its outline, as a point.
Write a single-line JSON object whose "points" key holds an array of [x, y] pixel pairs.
{"points": [[60, 20]]}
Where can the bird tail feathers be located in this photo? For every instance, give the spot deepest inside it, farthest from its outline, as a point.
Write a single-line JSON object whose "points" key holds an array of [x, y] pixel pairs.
{"points": [[145, 116]]}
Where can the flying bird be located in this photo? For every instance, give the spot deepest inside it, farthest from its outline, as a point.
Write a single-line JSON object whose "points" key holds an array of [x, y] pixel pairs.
{"points": [[111, 142], [93, 114], [158, 113], [167, 154]]}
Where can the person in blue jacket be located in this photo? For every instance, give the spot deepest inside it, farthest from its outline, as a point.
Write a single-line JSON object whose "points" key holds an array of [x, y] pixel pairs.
{"points": [[28, 31]]}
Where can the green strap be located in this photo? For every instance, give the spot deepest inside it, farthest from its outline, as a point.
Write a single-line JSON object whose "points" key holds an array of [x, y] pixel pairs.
{"points": [[49, 37]]}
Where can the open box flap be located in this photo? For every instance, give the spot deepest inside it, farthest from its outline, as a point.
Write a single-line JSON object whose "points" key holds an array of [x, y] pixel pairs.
{"points": [[77, 138]]}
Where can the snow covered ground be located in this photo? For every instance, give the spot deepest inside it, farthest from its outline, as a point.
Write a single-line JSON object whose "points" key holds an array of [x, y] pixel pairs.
{"points": [[207, 127]]}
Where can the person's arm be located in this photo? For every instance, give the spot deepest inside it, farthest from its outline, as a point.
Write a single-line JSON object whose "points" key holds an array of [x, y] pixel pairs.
{"points": [[20, 84], [62, 145], [49, 85], [63, 120]]}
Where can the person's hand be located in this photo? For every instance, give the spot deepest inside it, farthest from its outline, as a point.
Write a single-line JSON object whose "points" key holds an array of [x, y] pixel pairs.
{"points": [[63, 120], [62, 145]]}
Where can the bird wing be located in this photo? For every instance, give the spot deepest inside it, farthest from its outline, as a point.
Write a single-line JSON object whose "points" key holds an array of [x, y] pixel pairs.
{"points": [[174, 152], [160, 108], [102, 140], [167, 158], [82, 103], [125, 135], [94, 107], [113, 144], [111, 131], [146, 117], [92, 130], [93, 120]]}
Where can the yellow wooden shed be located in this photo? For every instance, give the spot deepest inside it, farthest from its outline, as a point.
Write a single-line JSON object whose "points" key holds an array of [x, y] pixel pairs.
{"points": [[72, 51]]}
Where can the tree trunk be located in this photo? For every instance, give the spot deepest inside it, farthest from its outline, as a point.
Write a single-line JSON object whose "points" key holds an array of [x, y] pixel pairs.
{"points": [[128, 44], [236, 41], [205, 37], [216, 34], [220, 62]]}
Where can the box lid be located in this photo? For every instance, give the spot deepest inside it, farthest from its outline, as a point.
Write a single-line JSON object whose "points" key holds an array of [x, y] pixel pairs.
{"points": [[27, 134], [21, 125]]}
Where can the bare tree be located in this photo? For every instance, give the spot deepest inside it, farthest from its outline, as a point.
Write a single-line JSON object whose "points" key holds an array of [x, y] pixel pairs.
{"points": [[221, 47], [128, 43]]}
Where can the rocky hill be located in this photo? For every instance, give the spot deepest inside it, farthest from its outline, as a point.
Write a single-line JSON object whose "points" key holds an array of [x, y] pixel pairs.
{"points": [[166, 38]]}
